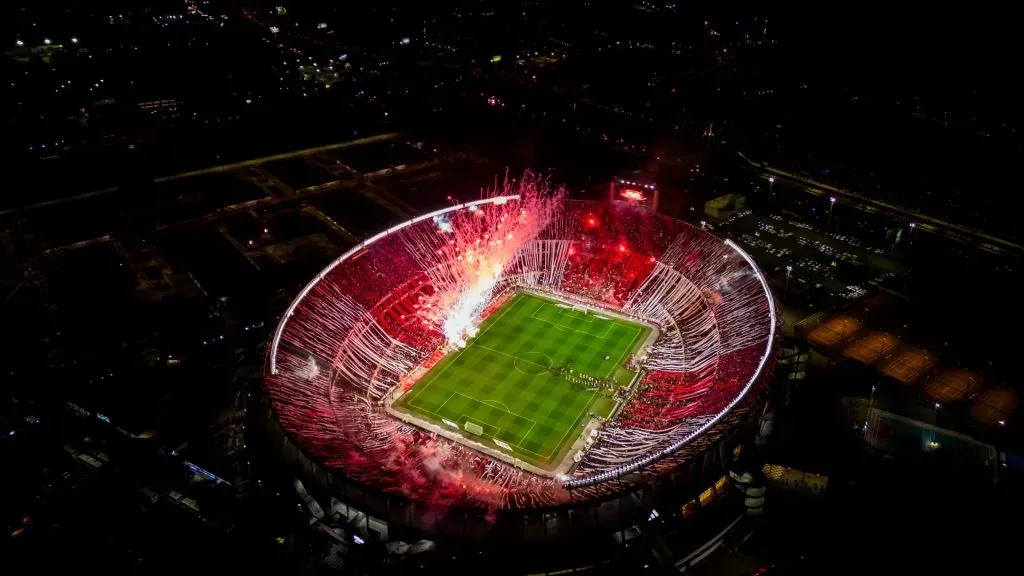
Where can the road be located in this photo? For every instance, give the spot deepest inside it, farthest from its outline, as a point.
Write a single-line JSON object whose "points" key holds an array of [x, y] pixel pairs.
{"points": [[278, 194], [215, 169]]}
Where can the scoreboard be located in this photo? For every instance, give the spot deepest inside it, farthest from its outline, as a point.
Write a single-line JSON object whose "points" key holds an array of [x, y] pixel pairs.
{"points": [[637, 192]]}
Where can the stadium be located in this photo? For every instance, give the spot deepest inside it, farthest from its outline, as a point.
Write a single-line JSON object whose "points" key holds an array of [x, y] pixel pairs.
{"points": [[524, 368]]}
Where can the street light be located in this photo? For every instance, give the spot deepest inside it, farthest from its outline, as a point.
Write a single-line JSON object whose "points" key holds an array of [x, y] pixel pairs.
{"points": [[771, 184], [74, 40], [911, 235], [831, 203], [789, 272], [871, 404]]}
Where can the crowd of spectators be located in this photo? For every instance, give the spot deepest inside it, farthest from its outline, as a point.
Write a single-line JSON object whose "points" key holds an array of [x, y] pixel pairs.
{"points": [[362, 329]]}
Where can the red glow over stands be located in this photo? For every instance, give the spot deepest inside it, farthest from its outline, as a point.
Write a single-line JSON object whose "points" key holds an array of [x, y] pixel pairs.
{"points": [[359, 331]]}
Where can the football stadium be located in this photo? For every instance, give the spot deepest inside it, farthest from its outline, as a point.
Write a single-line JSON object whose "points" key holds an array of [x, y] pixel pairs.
{"points": [[522, 369]]}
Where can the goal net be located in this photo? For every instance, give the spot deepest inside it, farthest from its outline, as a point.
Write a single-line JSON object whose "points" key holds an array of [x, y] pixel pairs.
{"points": [[473, 428]]}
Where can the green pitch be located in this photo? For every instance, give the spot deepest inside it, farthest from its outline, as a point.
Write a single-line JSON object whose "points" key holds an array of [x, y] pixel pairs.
{"points": [[512, 382]]}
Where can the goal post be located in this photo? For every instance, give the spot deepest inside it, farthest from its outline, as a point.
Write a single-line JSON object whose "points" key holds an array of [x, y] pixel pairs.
{"points": [[473, 428]]}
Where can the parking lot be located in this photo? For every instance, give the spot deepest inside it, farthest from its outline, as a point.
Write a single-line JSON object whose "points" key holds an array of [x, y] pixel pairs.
{"points": [[823, 270]]}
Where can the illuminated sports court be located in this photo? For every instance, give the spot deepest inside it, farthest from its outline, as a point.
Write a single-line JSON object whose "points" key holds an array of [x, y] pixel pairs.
{"points": [[532, 378]]}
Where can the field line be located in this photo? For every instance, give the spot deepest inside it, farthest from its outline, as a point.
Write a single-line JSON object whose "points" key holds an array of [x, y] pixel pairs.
{"points": [[627, 350], [514, 356], [508, 306], [573, 427], [533, 423], [521, 449], [531, 308], [441, 407], [482, 402], [606, 331], [462, 435], [503, 406], [567, 329], [434, 377], [423, 385], [589, 322], [483, 426], [523, 439]]}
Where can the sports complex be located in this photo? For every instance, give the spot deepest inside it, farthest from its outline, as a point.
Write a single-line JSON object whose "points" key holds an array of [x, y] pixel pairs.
{"points": [[522, 367]]}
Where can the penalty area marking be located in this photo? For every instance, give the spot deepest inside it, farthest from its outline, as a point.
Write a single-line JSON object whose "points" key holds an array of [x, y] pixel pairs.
{"points": [[518, 446], [568, 329], [522, 438], [422, 385], [500, 404]]}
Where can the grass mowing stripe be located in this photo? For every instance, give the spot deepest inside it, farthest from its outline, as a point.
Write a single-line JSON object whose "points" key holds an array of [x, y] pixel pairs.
{"points": [[574, 424], [627, 348], [428, 379], [504, 374], [511, 356]]}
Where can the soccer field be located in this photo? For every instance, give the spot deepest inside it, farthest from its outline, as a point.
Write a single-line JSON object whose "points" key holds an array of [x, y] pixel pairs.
{"points": [[510, 384]]}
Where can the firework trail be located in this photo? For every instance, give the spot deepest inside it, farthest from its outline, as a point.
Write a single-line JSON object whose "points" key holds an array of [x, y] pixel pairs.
{"points": [[466, 253]]}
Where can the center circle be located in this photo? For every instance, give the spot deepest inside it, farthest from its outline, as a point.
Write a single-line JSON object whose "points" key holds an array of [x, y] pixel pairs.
{"points": [[533, 363]]}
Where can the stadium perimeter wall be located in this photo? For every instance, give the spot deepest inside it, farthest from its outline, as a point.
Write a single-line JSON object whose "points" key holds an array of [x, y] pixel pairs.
{"points": [[581, 523]]}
